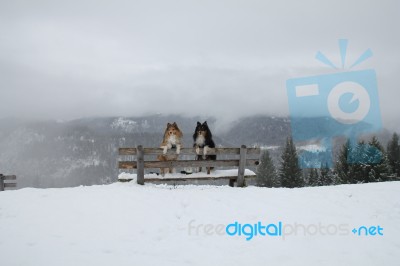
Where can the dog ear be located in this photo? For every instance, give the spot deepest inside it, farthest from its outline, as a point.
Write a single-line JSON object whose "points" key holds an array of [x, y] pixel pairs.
{"points": [[205, 123], [168, 125], [174, 124], [198, 123]]}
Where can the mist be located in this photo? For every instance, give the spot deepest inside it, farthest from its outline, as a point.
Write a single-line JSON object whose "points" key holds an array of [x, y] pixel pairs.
{"points": [[225, 59]]}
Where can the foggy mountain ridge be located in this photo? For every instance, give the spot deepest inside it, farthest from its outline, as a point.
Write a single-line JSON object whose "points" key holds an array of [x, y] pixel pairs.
{"points": [[85, 151]]}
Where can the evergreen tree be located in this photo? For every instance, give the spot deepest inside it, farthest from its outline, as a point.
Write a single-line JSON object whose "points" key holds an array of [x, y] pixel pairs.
{"points": [[313, 178], [370, 164], [290, 172], [379, 167], [359, 166], [266, 172], [326, 178], [335, 179], [342, 166], [393, 154]]}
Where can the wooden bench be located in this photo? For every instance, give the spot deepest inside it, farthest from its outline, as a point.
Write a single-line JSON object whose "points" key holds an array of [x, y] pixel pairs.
{"points": [[10, 183], [243, 157]]}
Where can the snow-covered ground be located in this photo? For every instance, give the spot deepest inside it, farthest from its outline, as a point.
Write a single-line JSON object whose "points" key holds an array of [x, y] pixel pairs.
{"points": [[128, 224]]}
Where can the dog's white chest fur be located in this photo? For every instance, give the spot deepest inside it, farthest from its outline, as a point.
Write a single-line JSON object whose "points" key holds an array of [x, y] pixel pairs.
{"points": [[200, 140], [172, 140]]}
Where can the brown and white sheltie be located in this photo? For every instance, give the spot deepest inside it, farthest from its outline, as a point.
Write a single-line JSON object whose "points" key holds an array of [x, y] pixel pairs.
{"points": [[172, 139]]}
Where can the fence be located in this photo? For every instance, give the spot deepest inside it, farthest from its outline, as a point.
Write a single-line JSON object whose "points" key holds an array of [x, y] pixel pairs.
{"points": [[246, 157]]}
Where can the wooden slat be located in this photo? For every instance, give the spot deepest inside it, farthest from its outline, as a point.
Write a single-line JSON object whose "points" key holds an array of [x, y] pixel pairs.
{"points": [[189, 151], [140, 165], [6, 185], [199, 178], [127, 165], [127, 151], [9, 177], [155, 179], [186, 163], [242, 164]]}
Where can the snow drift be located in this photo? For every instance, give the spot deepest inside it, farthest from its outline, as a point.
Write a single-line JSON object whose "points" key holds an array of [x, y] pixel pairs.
{"points": [[128, 224]]}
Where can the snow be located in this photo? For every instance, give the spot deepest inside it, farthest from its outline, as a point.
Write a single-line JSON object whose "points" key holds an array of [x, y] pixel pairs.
{"points": [[274, 147], [124, 124], [312, 148], [128, 224]]}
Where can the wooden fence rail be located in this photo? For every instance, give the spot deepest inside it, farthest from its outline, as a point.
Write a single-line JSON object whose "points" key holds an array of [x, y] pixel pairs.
{"points": [[189, 151], [245, 157], [10, 183]]}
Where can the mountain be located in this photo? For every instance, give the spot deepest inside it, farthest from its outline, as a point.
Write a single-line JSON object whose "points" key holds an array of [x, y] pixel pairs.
{"points": [[85, 151], [258, 131]]}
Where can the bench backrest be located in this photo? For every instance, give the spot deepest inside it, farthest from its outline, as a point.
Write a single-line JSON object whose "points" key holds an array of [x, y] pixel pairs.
{"points": [[245, 157]]}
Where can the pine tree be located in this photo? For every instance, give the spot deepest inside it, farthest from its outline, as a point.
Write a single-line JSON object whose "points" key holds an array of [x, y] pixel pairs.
{"points": [[379, 167], [370, 162], [266, 172], [326, 178], [290, 172], [313, 178], [393, 154], [359, 172], [335, 179], [342, 166]]}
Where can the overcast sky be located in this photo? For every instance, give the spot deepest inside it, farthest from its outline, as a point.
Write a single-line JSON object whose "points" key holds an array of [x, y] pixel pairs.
{"points": [[228, 59]]}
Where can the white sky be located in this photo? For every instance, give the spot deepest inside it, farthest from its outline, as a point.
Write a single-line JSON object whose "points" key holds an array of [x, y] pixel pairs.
{"points": [[228, 59]]}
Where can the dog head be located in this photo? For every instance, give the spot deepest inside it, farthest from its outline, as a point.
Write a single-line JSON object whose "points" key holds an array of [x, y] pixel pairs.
{"points": [[202, 130], [172, 130]]}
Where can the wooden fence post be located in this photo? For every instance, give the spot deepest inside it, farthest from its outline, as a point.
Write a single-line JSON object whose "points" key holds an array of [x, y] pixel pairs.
{"points": [[1, 183], [140, 165], [242, 165]]}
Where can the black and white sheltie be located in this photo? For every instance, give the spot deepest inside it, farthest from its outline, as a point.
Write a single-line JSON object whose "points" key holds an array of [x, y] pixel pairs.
{"points": [[202, 138]]}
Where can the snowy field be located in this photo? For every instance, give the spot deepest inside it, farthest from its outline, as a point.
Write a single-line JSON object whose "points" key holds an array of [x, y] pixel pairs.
{"points": [[127, 224]]}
